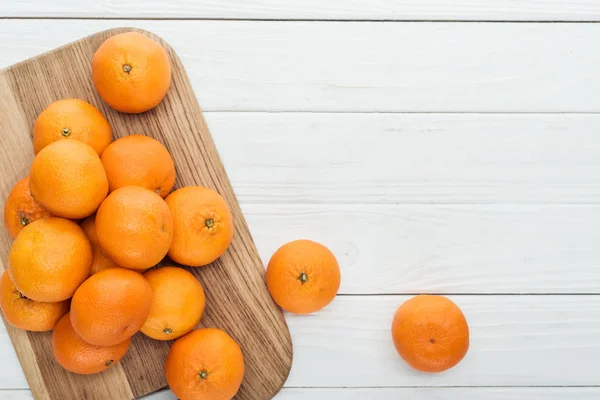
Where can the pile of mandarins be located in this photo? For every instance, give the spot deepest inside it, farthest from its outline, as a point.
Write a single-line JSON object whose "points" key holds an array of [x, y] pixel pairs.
{"points": [[95, 216]]}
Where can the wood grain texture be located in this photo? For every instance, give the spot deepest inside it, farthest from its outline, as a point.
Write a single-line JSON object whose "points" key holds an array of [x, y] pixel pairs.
{"points": [[496, 10], [398, 249], [378, 158], [237, 300], [362, 66], [518, 341]]}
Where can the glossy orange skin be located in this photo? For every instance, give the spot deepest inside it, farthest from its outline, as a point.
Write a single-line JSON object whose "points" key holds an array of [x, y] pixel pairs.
{"points": [[177, 305], [49, 259], [24, 313], [68, 179], [206, 364], [430, 333], [139, 160], [111, 306], [71, 119], [134, 227], [131, 72], [77, 356], [203, 225], [21, 209], [100, 260], [298, 261]]}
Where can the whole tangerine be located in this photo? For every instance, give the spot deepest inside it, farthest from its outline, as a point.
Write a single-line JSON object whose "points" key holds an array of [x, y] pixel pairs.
{"points": [[177, 305], [131, 72], [49, 259], [68, 179], [134, 227], [21, 209], [430, 333], [27, 314], [303, 276], [77, 356], [71, 119], [139, 160], [205, 364], [203, 225], [111, 306]]}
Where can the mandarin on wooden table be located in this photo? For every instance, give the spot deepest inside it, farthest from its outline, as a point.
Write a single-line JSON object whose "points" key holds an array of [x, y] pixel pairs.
{"points": [[139, 160], [49, 259], [27, 314], [68, 179], [134, 227], [71, 119], [430, 333], [77, 356], [177, 304], [111, 306], [131, 72], [203, 225], [303, 276], [100, 260], [205, 364], [21, 208]]}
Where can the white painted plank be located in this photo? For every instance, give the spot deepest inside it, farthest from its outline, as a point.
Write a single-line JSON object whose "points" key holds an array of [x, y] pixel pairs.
{"points": [[444, 249], [548, 10], [345, 66], [410, 158], [515, 341], [562, 393]]}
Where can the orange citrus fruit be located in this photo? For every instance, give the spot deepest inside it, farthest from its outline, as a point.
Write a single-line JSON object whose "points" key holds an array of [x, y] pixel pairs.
{"points": [[203, 225], [100, 260], [131, 72], [71, 119], [430, 333], [21, 209], [303, 276], [68, 179], [205, 364], [111, 306], [24, 313], [77, 356], [139, 160], [177, 305], [134, 227], [49, 259]]}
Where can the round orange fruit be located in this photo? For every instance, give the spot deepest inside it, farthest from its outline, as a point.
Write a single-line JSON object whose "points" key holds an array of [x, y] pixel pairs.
{"points": [[100, 260], [77, 356], [139, 160], [303, 276], [68, 179], [71, 119], [21, 209], [134, 227], [111, 306], [203, 225], [131, 72], [430, 333], [49, 259], [24, 313], [177, 305], [205, 364]]}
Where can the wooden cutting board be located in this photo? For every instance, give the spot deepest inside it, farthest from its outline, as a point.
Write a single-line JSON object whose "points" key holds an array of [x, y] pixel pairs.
{"points": [[237, 298]]}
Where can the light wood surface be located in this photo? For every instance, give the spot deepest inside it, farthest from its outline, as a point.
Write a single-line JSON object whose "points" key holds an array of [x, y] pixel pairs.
{"points": [[237, 299], [396, 10], [362, 66]]}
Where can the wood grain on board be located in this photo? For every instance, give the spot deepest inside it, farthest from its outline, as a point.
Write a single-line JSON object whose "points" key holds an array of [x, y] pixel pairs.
{"points": [[237, 299]]}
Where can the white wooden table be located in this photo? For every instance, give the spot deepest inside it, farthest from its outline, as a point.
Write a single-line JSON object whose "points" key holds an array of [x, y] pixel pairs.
{"points": [[440, 146]]}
